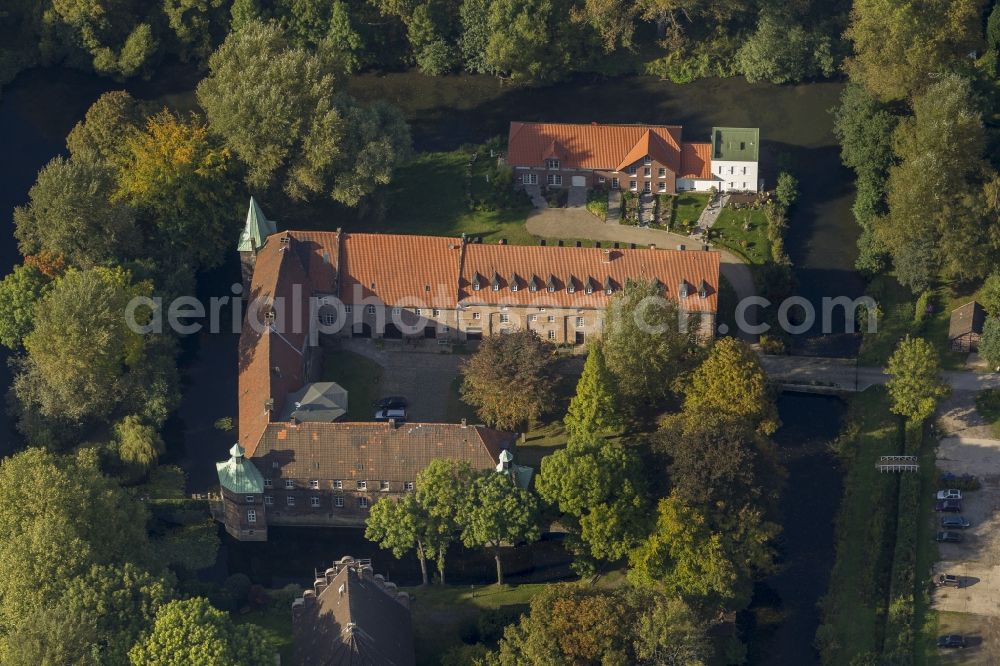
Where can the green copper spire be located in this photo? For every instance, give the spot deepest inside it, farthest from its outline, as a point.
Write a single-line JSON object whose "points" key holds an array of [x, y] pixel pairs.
{"points": [[257, 229], [239, 475]]}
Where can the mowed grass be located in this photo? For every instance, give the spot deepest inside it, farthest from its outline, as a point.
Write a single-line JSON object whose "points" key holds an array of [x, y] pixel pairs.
{"points": [[752, 245], [688, 207], [442, 614], [853, 609], [276, 624], [359, 375], [427, 196], [898, 319]]}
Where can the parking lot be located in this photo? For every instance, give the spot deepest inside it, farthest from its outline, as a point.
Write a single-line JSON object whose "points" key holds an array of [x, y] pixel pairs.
{"points": [[973, 609]]}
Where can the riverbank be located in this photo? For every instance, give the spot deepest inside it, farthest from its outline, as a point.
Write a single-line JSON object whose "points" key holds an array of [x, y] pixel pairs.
{"points": [[876, 605]]}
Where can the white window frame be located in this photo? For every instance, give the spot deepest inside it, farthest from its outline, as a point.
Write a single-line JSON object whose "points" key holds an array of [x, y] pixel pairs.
{"points": [[384, 486], [580, 321], [314, 484], [251, 516], [408, 485], [250, 499], [268, 500], [338, 484], [529, 179], [327, 318], [363, 502], [290, 500], [371, 309], [647, 160], [338, 501], [632, 170], [600, 179], [362, 485], [633, 185], [532, 317], [552, 319], [314, 501], [662, 187], [504, 318], [268, 483], [476, 315], [647, 172], [552, 335], [397, 311], [647, 187], [554, 179], [661, 172], [615, 185], [551, 163], [435, 312]]}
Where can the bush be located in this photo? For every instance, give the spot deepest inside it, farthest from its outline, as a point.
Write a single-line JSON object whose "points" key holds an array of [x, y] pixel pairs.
{"points": [[712, 56], [464, 655], [492, 622], [920, 310], [597, 202], [770, 344]]}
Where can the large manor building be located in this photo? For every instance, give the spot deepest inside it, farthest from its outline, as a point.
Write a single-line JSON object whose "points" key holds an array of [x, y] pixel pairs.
{"points": [[294, 465], [640, 158]]}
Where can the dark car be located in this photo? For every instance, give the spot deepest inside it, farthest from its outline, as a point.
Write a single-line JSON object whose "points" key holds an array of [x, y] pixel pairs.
{"points": [[955, 522], [396, 402], [947, 580], [949, 506], [951, 641], [948, 537]]}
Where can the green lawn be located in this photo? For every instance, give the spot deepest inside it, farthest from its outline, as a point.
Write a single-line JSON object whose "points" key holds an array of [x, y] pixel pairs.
{"points": [[277, 625], [427, 196], [853, 609], [359, 375], [898, 308], [688, 207], [729, 232], [442, 615], [988, 406]]}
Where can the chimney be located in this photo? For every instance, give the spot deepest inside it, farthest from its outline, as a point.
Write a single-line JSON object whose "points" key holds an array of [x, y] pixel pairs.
{"points": [[392, 424], [632, 245], [503, 241], [607, 257], [464, 423], [560, 243], [319, 585], [617, 245], [597, 244], [542, 242], [652, 246], [579, 244]]}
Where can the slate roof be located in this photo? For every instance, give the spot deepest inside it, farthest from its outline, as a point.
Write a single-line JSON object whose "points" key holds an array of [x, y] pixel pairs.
{"points": [[375, 450], [696, 161], [593, 146], [558, 264], [966, 319], [354, 621], [319, 401]]}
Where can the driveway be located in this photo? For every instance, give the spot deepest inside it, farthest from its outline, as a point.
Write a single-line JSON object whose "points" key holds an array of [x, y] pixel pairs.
{"points": [[422, 376], [577, 197], [578, 223]]}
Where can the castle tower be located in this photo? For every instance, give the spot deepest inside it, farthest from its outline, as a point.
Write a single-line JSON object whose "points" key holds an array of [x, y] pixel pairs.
{"points": [[242, 489], [254, 235]]}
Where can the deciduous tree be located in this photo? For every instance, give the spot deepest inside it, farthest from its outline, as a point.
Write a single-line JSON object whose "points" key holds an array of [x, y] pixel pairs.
{"points": [[401, 526], [441, 490], [510, 379], [782, 51], [496, 511], [70, 213], [20, 290], [102, 134], [600, 488], [646, 344], [989, 344], [916, 384], [193, 632], [139, 444], [731, 381], [900, 46]]}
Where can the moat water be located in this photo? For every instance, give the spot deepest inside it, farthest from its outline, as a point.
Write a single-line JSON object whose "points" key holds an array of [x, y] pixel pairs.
{"points": [[38, 109]]}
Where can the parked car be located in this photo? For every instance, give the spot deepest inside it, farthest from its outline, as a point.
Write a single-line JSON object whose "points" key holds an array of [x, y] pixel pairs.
{"points": [[951, 641], [955, 522], [948, 537], [950, 494], [398, 415], [392, 402], [948, 506], [947, 580]]}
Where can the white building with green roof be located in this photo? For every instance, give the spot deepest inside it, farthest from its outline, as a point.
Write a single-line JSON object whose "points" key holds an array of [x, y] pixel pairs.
{"points": [[735, 158]]}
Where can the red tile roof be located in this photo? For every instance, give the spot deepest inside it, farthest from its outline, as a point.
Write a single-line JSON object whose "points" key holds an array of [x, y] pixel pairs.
{"points": [[400, 270], [271, 356], [508, 262], [593, 146], [696, 161]]}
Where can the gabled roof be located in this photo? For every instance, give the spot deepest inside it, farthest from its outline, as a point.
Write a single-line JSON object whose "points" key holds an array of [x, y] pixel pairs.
{"points": [[319, 401], [397, 268], [593, 146], [375, 450], [256, 230], [357, 619], [966, 319], [696, 161], [595, 266], [239, 475]]}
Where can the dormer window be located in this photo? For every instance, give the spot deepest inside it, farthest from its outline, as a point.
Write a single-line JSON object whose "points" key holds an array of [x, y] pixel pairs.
{"points": [[533, 284], [571, 285], [683, 290], [647, 160], [590, 286], [609, 286], [703, 290], [495, 283], [477, 280], [550, 286], [515, 283], [551, 163]]}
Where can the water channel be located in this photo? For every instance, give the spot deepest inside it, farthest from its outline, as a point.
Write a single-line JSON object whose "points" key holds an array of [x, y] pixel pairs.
{"points": [[39, 108]]}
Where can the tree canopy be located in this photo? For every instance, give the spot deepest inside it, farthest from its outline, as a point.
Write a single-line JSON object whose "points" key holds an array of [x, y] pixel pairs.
{"points": [[510, 379], [916, 384], [193, 632], [20, 291], [594, 409]]}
